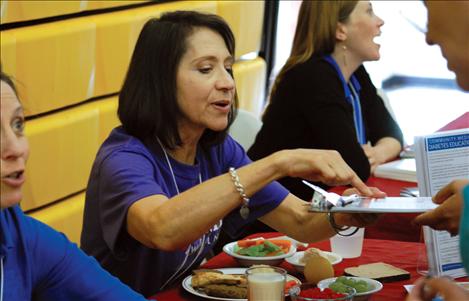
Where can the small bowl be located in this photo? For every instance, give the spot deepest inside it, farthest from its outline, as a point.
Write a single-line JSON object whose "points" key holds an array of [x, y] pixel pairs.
{"points": [[295, 293], [294, 260], [375, 285], [247, 261]]}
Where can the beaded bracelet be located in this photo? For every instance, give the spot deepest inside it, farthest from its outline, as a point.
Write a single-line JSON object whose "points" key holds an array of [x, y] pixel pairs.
{"points": [[244, 210], [337, 228]]}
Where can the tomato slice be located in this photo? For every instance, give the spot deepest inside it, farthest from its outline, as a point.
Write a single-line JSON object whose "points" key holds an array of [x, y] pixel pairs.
{"points": [[289, 284]]}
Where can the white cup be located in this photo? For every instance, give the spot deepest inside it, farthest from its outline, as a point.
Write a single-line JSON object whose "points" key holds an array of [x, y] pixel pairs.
{"points": [[348, 246], [266, 283]]}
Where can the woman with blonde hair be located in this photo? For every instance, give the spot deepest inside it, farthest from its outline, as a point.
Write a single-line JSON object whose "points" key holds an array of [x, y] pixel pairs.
{"points": [[323, 97]]}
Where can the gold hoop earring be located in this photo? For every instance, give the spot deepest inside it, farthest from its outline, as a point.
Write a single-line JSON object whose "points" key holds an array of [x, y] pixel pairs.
{"points": [[345, 54]]}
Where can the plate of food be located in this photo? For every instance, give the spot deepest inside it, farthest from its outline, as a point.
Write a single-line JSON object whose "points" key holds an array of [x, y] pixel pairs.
{"points": [[365, 287], [260, 251], [298, 260], [228, 284]]}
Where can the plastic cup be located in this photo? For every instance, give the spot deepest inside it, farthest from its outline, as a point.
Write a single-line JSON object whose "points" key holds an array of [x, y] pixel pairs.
{"points": [[266, 283], [422, 258], [348, 246]]}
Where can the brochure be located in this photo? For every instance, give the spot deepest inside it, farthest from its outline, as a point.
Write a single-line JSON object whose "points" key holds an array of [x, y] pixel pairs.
{"points": [[440, 158]]}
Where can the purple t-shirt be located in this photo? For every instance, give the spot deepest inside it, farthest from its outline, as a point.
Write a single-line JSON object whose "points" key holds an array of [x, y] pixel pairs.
{"points": [[125, 171]]}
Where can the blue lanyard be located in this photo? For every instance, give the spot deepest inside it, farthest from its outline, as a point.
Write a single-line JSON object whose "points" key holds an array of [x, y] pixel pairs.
{"points": [[352, 95]]}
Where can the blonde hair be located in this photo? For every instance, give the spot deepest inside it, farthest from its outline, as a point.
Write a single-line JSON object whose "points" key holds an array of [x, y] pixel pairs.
{"points": [[315, 31]]}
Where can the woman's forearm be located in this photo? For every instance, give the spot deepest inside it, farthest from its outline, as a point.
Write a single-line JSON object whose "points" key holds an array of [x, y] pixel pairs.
{"points": [[388, 148], [174, 223]]}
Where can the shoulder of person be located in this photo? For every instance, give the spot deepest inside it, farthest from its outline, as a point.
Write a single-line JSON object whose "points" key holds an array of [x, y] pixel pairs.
{"points": [[42, 240], [120, 141], [313, 68], [314, 74], [362, 75]]}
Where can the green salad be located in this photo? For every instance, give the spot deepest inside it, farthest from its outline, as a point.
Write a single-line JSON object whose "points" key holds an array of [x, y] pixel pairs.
{"points": [[341, 283], [266, 248]]}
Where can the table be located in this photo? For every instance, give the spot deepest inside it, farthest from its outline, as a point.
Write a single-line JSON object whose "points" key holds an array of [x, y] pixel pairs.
{"points": [[398, 253]]}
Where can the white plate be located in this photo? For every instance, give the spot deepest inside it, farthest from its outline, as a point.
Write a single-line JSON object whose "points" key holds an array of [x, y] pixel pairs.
{"points": [[377, 286], [250, 260], [294, 260], [187, 284]]}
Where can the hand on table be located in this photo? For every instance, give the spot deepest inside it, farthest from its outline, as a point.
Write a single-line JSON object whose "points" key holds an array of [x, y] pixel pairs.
{"points": [[385, 149], [447, 215], [441, 286], [374, 156]]}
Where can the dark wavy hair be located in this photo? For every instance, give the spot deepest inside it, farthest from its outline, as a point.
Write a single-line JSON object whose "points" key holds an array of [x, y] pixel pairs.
{"points": [[148, 105]]}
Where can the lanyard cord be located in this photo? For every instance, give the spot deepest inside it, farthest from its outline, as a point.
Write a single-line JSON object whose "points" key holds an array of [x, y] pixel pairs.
{"points": [[357, 115], [203, 237], [171, 169]]}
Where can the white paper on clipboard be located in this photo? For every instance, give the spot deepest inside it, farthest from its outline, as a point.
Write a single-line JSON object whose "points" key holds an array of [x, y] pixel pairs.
{"points": [[383, 205]]}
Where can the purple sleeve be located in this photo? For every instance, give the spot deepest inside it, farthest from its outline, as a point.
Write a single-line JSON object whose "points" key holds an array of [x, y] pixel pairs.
{"points": [[125, 177], [262, 202]]}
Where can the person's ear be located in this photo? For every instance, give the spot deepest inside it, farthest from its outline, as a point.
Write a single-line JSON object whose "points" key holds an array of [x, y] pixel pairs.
{"points": [[341, 32]]}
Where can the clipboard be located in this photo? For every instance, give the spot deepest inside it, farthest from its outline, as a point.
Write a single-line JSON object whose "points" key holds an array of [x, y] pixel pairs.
{"points": [[324, 201], [382, 205]]}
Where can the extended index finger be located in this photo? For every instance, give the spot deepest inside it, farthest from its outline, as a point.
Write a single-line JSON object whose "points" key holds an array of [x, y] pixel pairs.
{"points": [[360, 186]]}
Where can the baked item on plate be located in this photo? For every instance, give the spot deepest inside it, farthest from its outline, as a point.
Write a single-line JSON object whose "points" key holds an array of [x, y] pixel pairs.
{"points": [[379, 271], [311, 252], [215, 283]]}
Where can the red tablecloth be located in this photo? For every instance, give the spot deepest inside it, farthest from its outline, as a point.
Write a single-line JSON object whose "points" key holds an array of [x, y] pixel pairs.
{"points": [[398, 253]]}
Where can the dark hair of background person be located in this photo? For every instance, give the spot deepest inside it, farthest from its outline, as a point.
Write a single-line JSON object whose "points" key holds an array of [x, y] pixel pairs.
{"points": [[8, 80], [148, 105], [315, 31]]}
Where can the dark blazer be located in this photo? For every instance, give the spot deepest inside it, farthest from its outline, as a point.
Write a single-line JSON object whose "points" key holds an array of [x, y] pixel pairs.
{"points": [[309, 110]]}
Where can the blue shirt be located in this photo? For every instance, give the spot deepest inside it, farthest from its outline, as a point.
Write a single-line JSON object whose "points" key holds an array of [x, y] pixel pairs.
{"points": [[39, 263], [126, 171]]}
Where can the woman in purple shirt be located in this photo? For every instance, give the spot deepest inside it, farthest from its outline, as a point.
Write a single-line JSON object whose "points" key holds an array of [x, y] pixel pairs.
{"points": [[166, 182]]}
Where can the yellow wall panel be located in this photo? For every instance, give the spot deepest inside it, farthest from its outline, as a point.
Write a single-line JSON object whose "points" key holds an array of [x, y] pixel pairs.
{"points": [[250, 78], [108, 119], [53, 64], [117, 33], [65, 216], [100, 4], [246, 20], [23, 10], [115, 41], [63, 147], [66, 62]]}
